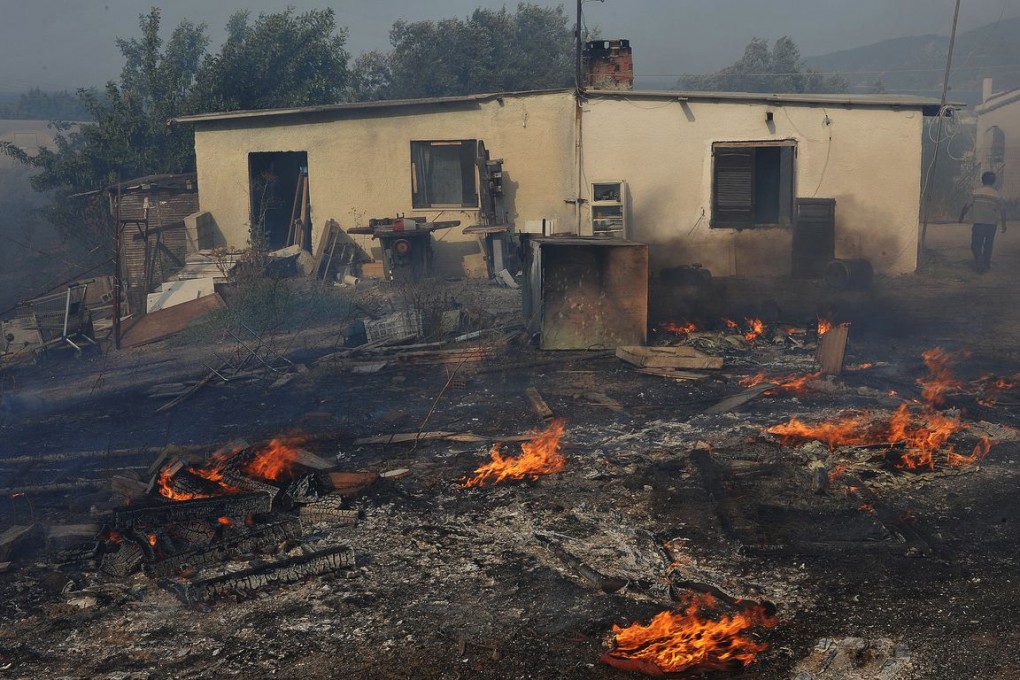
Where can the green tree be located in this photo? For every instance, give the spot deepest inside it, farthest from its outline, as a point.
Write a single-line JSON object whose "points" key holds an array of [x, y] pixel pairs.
{"points": [[489, 51], [279, 60], [39, 105], [761, 69]]}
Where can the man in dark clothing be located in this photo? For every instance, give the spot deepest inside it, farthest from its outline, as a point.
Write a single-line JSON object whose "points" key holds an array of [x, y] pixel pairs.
{"points": [[986, 211]]}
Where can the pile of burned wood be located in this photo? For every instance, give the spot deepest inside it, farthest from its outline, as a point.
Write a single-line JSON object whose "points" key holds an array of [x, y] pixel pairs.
{"points": [[228, 524]]}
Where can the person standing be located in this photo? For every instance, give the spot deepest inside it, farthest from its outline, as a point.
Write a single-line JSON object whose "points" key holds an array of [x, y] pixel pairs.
{"points": [[985, 208]]}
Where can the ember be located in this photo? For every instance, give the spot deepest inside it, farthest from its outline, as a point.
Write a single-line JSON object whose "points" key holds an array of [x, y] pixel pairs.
{"points": [[790, 383], [699, 636], [540, 456], [683, 328]]}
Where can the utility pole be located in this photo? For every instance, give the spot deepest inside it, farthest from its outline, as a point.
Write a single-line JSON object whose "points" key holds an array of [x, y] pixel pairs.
{"points": [[116, 271], [578, 74], [938, 134]]}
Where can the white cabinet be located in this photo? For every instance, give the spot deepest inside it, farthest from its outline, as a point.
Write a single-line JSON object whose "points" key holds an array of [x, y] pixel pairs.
{"points": [[609, 209]]}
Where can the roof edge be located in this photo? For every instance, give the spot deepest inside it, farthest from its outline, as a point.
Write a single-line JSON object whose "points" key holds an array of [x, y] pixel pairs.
{"points": [[929, 106], [354, 106], [997, 101]]}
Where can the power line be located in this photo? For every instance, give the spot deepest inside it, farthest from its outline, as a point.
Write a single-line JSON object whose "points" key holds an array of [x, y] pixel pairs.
{"points": [[772, 74]]}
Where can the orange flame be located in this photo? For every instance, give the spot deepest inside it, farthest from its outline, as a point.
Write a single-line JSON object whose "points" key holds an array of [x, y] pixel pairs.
{"points": [[274, 461], [698, 636], [682, 328], [540, 456], [824, 325], [756, 326], [152, 540], [923, 434], [941, 380], [225, 521], [731, 324]]}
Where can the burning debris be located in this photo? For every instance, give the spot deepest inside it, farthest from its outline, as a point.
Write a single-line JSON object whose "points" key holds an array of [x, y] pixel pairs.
{"points": [[702, 634], [540, 456]]}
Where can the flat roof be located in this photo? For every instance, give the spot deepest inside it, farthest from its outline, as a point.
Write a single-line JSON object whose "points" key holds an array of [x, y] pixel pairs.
{"points": [[929, 106]]}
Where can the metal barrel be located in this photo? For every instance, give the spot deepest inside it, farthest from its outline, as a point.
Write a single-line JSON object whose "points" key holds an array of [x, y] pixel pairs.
{"points": [[849, 274]]}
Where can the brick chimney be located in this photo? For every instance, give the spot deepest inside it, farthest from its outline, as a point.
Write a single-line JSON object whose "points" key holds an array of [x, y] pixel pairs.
{"points": [[986, 90], [608, 65]]}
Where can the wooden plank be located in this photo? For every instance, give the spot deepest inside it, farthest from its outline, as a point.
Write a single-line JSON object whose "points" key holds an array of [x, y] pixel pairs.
{"points": [[672, 373], [730, 403], [667, 357], [832, 349], [310, 460], [538, 403], [170, 321]]}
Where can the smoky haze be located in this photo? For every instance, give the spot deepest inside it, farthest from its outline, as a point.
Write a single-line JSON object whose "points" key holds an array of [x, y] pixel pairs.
{"points": [[57, 44]]}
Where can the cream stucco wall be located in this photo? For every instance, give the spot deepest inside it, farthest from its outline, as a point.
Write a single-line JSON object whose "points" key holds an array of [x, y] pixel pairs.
{"points": [[868, 159], [1007, 118], [359, 163]]}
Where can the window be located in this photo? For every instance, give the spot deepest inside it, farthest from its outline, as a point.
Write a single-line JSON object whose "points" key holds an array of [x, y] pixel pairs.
{"points": [[443, 174], [752, 184]]}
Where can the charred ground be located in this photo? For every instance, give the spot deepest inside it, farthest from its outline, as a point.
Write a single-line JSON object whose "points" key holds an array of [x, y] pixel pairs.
{"points": [[458, 583]]}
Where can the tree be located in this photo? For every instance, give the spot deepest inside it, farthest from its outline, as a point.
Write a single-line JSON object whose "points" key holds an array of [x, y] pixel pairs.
{"points": [[283, 59], [280, 60], [128, 136], [489, 51], [780, 69]]}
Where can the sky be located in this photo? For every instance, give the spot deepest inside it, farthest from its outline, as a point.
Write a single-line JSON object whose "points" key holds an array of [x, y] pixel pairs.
{"points": [[58, 44]]}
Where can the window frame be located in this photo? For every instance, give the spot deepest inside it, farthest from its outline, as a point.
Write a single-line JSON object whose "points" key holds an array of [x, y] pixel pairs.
{"points": [[467, 144], [717, 221]]}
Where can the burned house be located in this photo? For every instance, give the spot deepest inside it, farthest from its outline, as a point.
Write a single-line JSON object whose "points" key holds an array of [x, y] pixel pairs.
{"points": [[714, 178]]}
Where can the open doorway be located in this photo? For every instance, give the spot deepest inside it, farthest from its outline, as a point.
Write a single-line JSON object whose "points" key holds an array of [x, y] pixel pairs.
{"points": [[280, 207]]}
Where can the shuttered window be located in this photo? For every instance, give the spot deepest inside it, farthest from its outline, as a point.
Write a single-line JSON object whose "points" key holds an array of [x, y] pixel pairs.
{"points": [[752, 184], [443, 174]]}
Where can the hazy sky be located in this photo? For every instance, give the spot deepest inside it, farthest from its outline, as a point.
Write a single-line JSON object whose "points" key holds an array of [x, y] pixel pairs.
{"points": [[70, 43]]}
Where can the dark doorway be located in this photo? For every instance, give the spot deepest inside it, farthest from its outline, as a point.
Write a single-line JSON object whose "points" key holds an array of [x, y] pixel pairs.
{"points": [[279, 197], [814, 237]]}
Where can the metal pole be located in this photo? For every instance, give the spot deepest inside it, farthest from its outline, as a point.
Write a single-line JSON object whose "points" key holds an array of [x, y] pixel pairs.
{"points": [[116, 271], [938, 134]]}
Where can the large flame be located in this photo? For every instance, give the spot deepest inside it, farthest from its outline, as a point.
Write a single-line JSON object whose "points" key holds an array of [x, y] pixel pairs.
{"points": [[924, 433], [699, 636], [824, 324], [540, 456]]}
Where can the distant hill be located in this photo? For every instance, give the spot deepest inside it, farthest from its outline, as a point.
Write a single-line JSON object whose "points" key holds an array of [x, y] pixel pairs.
{"points": [[916, 64]]}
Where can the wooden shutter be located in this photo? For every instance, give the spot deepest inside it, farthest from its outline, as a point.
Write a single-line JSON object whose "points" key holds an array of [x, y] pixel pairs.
{"points": [[733, 187]]}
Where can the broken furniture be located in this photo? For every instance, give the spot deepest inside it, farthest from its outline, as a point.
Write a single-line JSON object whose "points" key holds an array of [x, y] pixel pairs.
{"points": [[406, 244], [63, 318], [585, 292]]}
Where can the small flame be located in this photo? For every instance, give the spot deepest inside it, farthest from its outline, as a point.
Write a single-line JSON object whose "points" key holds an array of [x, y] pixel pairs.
{"points": [[152, 540], [837, 472], [225, 521], [941, 380], [114, 537], [756, 328], [824, 324], [274, 461], [540, 456], [699, 636], [731, 324]]}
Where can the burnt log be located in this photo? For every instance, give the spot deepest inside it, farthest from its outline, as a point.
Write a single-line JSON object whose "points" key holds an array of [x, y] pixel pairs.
{"points": [[239, 506], [257, 539], [249, 485], [247, 581], [123, 561], [318, 512]]}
